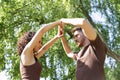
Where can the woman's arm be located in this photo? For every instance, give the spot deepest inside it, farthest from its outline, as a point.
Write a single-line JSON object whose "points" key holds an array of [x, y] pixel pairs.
{"points": [[48, 45], [39, 34], [87, 28]]}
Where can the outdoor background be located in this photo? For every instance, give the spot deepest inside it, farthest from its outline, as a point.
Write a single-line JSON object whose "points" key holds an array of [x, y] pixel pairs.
{"points": [[18, 16]]}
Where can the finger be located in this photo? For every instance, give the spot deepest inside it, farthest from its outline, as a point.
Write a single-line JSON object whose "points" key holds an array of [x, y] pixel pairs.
{"points": [[62, 25], [59, 30], [59, 27], [61, 35]]}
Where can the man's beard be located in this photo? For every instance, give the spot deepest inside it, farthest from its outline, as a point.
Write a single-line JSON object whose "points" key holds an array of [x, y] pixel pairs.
{"points": [[80, 42]]}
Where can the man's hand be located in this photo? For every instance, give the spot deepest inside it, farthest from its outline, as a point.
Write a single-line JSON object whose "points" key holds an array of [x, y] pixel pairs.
{"points": [[73, 21]]}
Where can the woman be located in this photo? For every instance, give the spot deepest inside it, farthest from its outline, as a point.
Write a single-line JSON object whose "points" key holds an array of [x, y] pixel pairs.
{"points": [[30, 49]]}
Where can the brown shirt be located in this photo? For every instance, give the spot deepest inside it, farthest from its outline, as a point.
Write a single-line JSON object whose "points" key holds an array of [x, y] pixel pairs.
{"points": [[31, 72], [90, 61]]}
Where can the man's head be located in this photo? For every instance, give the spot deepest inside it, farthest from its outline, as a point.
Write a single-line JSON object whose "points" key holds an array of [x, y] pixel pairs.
{"points": [[78, 36]]}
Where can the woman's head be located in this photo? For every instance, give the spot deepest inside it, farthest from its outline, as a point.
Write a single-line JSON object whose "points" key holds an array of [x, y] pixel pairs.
{"points": [[23, 41]]}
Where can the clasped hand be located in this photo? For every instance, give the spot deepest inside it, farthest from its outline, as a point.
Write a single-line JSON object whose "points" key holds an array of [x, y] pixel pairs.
{"points": [[60, 30]]}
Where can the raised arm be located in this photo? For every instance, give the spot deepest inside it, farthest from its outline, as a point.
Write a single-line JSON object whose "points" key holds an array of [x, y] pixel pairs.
{"points": [[67, 49], [49, 44], [38, 36], [87, 28]]}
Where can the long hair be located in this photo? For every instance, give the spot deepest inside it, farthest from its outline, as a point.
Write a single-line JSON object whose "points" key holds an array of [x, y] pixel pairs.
{"points": [[23, 41]]}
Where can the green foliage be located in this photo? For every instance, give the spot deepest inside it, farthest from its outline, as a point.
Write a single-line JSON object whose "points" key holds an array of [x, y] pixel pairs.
{"points": [[18, 16]]}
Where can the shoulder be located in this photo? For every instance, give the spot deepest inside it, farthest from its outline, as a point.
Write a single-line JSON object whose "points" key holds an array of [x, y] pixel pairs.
{"points": [[27, 59], [99, 43], [97, 38]]}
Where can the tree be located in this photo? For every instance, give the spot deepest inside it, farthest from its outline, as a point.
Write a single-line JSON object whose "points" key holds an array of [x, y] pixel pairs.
{"points": [[18, 16]]}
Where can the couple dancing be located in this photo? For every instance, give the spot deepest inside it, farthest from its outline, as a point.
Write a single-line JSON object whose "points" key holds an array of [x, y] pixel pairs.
{"points": [[90, 59]]}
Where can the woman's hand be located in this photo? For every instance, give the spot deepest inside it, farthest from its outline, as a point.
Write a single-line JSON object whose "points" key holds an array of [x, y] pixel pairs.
{"points": [[60, 31]]}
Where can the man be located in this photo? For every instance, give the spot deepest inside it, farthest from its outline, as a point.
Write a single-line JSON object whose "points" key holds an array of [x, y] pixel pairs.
{"points": [[90, 60]]}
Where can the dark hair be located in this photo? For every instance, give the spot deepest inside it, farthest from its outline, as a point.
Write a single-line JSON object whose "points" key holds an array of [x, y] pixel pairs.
{"points": [[23, 41], [76, 29]]}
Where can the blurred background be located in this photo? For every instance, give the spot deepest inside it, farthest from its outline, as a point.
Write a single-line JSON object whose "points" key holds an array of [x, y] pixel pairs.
{"points": [[18, 16]]}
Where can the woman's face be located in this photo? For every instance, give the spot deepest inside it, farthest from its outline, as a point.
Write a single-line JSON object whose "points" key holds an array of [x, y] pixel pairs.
{"points": [[38, 46], [79, 38]]}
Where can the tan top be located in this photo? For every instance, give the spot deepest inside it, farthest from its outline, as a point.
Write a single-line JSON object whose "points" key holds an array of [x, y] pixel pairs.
{"points": [[90, 61], [31, 72]]}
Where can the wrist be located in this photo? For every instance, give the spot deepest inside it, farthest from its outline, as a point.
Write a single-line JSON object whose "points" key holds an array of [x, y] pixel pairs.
{"points": [[62, 37], [59, 22], [56, 37]]}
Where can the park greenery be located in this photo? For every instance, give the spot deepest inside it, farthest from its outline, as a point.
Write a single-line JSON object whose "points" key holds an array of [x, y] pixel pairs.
{"points": [[18, 16]]}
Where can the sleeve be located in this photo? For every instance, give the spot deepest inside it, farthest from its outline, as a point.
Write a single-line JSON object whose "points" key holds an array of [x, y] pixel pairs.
{"points": [[99, 48], [98, 43]]}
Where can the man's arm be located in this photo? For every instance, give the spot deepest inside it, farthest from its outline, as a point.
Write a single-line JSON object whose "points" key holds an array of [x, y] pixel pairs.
{"points": [[67, 49], [87, 28]]}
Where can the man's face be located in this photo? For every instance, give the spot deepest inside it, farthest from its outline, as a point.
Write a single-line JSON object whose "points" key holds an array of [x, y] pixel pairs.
{"points": [[79, 38]]}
